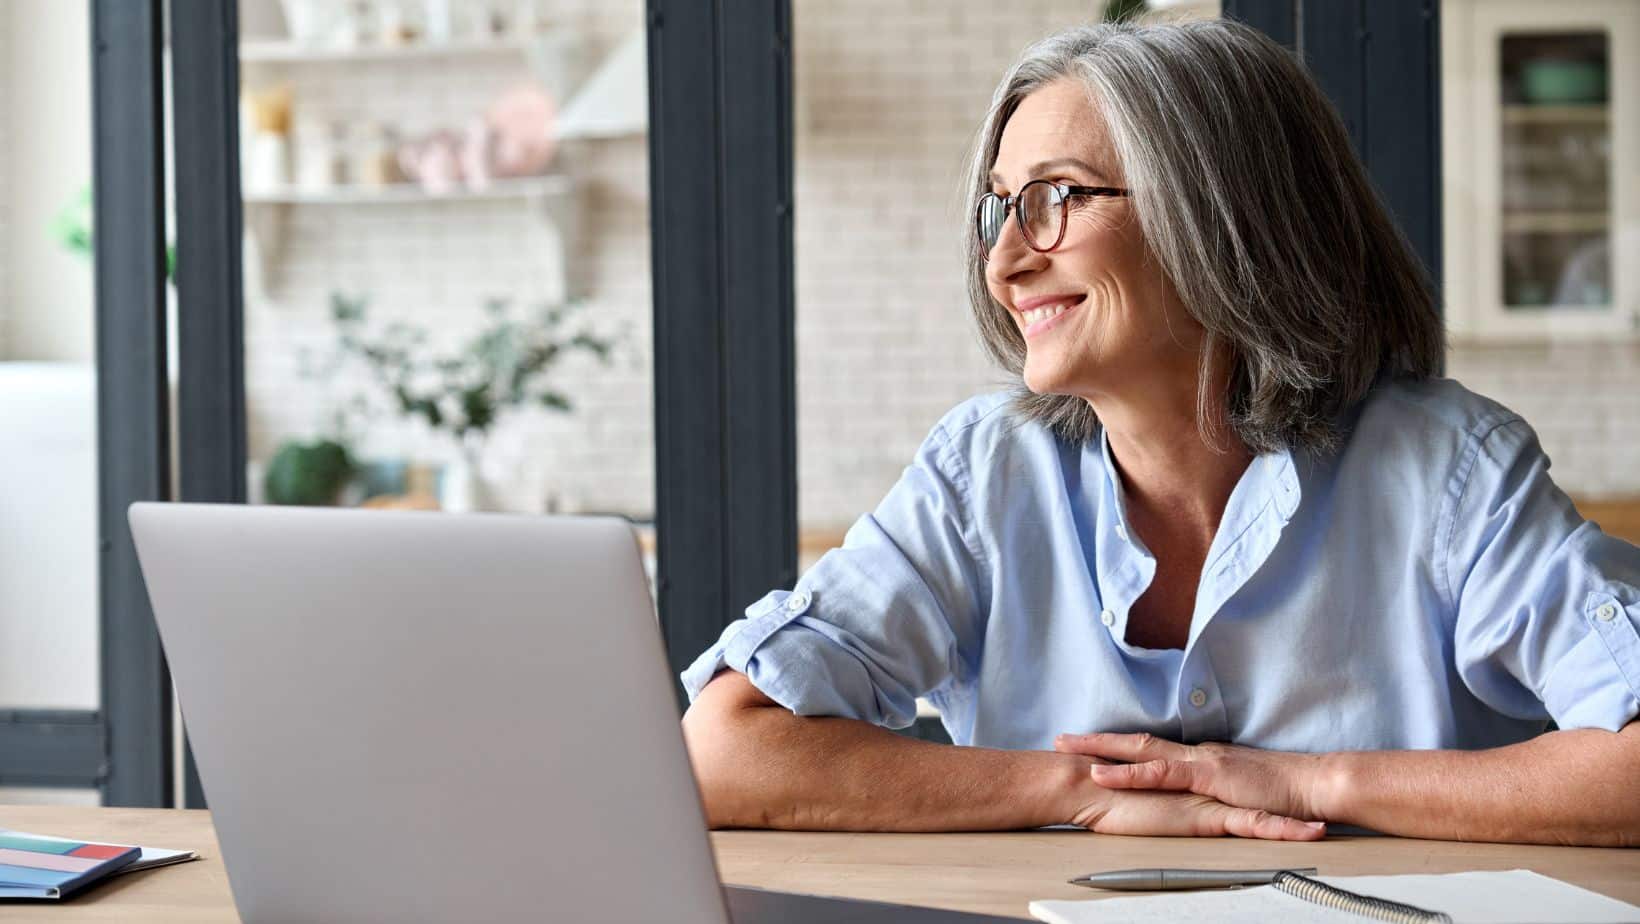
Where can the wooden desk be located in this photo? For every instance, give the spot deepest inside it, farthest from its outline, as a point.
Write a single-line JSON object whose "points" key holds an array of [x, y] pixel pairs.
{"points": [[1001, 873], [994, 873]]}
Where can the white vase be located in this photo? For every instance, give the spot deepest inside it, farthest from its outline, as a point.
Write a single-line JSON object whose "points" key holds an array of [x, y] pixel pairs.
{"points": [[463, 487], [308, 21]]}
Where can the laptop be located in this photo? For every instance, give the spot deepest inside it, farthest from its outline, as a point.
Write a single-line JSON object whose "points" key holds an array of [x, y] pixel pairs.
{"points": [[437, 717]]}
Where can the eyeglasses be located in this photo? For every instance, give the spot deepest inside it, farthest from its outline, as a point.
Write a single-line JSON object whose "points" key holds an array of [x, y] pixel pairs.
{"points": [[1042, 206]]}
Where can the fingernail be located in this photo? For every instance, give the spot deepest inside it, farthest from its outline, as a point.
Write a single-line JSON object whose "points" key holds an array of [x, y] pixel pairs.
{"points": [[1315, 825]]}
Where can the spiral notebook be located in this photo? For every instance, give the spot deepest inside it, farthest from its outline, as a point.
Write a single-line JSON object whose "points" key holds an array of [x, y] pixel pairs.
{"points": [[44, 867], [1494, 897]]}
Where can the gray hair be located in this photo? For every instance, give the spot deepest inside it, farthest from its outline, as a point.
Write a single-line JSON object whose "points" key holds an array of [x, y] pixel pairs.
{"points": [[1258, 211]]}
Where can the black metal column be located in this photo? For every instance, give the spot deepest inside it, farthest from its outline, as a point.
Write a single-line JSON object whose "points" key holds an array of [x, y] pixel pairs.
{"points": [[210, 299], [1275, 18], [133, 436], [725, 406], [1379, 62], [1401, 58]]}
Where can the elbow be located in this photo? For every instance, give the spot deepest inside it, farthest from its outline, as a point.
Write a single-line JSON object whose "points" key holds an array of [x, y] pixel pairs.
{"points": [[703, 728], [704, 731], [719, 735]]}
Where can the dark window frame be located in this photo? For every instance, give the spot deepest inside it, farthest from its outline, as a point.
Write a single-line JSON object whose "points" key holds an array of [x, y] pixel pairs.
{"points": [[133, 420], [725, 397], [211, 422]]}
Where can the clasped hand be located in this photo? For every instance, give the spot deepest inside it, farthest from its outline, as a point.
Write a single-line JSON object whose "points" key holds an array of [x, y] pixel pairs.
{"points": [[1152, 786]]}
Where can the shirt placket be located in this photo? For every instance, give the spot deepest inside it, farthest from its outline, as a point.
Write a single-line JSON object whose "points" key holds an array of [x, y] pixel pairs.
{"points": [[1123, 566], [1200, 696]]}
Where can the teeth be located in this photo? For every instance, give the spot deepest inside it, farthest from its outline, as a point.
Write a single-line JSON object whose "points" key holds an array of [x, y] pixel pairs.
{"points": [[1038, 314]]}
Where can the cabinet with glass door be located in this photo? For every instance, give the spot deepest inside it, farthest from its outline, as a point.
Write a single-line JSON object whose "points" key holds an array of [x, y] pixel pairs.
{"points": [[1540, 163]]}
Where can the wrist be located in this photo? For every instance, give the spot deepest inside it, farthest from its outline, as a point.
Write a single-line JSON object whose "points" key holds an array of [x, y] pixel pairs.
{"points": [[1333, 785], [1078, 800]]}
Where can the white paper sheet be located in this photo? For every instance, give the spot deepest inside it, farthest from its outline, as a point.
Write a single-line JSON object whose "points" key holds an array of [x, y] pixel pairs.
{"points": [[1496, 897]]}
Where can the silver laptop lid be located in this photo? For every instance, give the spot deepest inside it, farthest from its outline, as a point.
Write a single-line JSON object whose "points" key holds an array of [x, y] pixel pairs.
{"points": [[429, 717]]}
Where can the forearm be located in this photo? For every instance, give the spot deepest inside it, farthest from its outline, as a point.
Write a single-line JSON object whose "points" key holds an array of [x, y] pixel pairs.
{"points": [[763, 767], [1565, 787]]}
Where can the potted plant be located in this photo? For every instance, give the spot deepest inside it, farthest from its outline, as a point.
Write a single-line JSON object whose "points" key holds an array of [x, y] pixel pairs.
{"points": [[310, 474], [466, 392]]}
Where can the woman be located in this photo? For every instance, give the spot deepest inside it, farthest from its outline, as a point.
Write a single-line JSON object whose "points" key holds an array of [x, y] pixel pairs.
{"points": [[1232, 560]]}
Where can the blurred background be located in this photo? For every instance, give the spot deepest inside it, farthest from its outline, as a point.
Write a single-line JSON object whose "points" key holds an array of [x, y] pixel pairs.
{"points": [[447, 293]]}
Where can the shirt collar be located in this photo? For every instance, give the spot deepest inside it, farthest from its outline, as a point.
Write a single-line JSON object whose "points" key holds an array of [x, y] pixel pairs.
{"points": [[1284, 487], [1274, 474], [1113, 483]]}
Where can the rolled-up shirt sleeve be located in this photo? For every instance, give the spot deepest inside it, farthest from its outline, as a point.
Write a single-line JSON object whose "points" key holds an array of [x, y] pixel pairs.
{"points": [[1547, 604], [892, 615]]}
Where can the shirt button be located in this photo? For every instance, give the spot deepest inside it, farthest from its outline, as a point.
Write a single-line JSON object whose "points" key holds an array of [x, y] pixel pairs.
{"points": [[1198, 698], [1606, 613], [1121, 532], [1108, 618], [797, 602]]}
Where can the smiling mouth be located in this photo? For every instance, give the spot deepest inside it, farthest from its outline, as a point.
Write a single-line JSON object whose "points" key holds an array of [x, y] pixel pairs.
{"points": [[1038, 320]]}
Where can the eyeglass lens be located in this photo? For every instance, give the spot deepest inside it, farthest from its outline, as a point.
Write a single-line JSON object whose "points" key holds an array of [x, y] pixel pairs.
{"points": [[1040, 216]]}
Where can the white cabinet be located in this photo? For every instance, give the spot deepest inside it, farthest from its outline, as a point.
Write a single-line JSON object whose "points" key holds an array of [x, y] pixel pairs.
{"points": [[1541, 158]]}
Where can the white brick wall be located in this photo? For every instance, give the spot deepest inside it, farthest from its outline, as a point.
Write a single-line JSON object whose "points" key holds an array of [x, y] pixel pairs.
{"points": [[888, 98], [1583, 400]]}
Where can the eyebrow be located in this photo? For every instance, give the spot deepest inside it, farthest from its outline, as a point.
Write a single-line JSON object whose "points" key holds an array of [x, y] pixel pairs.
{"points": [[1048, 166]]}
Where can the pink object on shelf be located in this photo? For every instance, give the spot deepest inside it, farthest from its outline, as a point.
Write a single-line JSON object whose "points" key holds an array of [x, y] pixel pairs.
{"points": [[433, 161], [476, 152], [514, 138], [521, 136]]}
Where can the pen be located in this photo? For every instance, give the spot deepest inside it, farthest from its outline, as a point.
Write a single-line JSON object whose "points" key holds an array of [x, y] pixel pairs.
{"points": [[1149, 880]]}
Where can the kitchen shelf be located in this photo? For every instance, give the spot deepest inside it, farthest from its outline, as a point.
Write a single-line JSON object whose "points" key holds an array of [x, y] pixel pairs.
{"points": [[283, 51], [1578, 114], [410, 193], [551, 57], [550, 199], [1546, 222]]}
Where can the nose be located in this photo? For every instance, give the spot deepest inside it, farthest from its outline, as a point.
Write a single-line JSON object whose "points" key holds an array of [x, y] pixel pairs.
{"points": [[1012, 258]]}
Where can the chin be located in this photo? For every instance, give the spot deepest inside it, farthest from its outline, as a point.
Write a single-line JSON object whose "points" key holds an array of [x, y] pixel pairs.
{"points": [[1055, 378], [1042, 382]]}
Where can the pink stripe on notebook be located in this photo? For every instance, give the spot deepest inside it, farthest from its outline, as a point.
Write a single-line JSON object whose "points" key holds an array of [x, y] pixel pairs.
{"points": [[55, 861]]}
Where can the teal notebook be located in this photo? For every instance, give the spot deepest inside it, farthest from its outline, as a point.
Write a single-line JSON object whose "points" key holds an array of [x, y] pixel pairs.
{"points": [[49, 867]]}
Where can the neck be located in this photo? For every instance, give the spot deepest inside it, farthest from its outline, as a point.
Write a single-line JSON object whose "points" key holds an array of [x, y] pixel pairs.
{"points": [[1173, 480]]}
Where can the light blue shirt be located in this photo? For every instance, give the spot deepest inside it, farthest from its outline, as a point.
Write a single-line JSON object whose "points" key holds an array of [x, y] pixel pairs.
{"points": [[1427, 586]]}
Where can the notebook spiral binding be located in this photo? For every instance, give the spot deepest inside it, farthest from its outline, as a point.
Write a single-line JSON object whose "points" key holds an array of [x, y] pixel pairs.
{"points": [[1331, 896]]}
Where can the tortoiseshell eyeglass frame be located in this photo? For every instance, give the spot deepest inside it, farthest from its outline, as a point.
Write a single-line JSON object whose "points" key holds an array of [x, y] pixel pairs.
{"points": [[1063, 192]]}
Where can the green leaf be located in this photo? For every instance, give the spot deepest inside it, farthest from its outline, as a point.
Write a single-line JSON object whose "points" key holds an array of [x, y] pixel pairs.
{"points": [[506, 363], [480, 409], [73, 222], [346, 310], [1123, 10]]}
